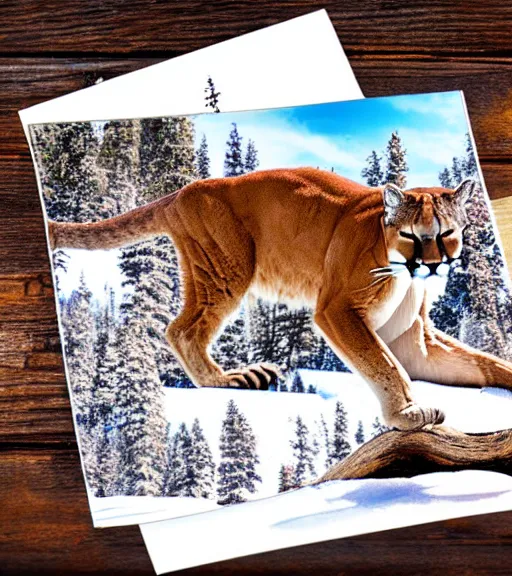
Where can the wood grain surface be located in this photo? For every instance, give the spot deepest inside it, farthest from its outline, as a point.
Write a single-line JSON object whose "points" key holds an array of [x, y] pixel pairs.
{"points": [[49, 48]]}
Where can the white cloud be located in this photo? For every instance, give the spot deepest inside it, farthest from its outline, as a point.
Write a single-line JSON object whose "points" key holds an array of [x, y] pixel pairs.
{"points": [[446, 105], [281, 144], [436, 147]]}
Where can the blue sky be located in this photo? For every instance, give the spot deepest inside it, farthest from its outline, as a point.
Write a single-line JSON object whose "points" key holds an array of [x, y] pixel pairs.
{"points": [[341, 135]]}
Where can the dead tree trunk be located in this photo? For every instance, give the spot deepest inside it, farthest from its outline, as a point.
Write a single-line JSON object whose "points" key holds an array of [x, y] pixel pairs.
{"points": [[405, 454]]}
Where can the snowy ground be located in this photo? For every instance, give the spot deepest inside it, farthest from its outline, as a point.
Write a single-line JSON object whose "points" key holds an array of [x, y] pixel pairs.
{"points": [[271, 415], [332, 510]]}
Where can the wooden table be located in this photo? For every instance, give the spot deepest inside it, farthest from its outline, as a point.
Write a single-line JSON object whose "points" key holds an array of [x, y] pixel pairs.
{"points": [[49, 48]]}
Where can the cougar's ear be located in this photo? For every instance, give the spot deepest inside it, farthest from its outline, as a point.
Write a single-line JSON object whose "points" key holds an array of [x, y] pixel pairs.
{"points": [[393, 198], [464, 191]]}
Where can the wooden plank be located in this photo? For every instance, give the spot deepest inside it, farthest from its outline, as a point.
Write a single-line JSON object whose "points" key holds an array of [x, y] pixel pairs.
{"points": [[180, 26], [486, 83], [46, 523], [502, 209]]}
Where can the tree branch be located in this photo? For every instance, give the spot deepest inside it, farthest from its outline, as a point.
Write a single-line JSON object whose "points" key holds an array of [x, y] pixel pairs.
{"points": [[441, 449]]}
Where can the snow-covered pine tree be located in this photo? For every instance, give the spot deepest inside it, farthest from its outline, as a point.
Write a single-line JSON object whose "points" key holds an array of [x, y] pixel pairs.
{"points": [[78, 326], [66, 155], [233, 161], [456, 171], [237, 470], [79, 336], [251, 161], [203, 160], [151, 267], [104, 413], [230, 349], [119, 166], [202, 467], [468, 310], [340, 446], [179, 477], [167, 156], [303, 452], [327, 441], [359, 436], [378, 427], [445, 178], [469, 162], [140, 409], [212, 96], [396, 163], [286, 478], [373, 173], [297, 384]]}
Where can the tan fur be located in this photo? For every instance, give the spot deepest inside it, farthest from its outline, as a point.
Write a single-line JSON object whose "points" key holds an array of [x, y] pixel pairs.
{"points": [[314, 236]]}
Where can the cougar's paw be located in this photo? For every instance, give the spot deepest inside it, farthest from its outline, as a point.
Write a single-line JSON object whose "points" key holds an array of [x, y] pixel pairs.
{"points": [[415, 417], [255, 376]]}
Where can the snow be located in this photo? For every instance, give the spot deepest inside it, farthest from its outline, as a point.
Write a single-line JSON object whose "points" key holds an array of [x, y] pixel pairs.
{"points": [[271, 416], [331, 510], [128, 510]]}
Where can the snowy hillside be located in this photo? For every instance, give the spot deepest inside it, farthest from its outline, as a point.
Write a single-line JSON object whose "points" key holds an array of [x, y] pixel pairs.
{"points": [[332, 510], [271, 416]]}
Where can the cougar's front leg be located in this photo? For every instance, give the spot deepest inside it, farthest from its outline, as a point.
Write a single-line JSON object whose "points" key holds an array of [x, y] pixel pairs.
{"points": [[364, 351], [429, 354]]}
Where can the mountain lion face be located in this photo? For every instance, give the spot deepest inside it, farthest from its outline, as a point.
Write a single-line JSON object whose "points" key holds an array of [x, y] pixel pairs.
{"points": [[424, 226]]}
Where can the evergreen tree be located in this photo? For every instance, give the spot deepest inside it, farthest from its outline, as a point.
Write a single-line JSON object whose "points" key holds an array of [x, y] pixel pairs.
{"points": [[340, 447], [151, 267], [78, 326], [373, 173], [202, 467], [297, 384], [327, 441], [286, 478], [303, 452], [104, 414], [203, 160], [119, 165], [65, 155], [212, 96], [468, 310], [359, 436], [469, 163], [233, 162], [445, 178], [378, 428], [167, 156], [180, 480], [79, 336], [237, 469], [230, 349], [456, 172], [311, 389], [251, 161], [140, 411], [396, 162]]}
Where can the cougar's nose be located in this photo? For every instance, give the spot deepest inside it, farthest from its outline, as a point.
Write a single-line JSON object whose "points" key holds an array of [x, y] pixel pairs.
{"points": [[430, 251]]}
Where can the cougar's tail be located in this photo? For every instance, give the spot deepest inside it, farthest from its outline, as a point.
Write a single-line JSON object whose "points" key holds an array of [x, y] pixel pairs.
{"points": [[129, 228]]}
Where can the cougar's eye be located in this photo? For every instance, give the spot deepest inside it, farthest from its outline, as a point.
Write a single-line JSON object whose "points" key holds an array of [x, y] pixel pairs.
{"points": [[408, 235], [447, 233]]}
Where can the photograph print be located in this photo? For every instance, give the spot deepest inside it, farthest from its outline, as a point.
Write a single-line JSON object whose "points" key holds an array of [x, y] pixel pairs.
{"points": [[253, 303]]}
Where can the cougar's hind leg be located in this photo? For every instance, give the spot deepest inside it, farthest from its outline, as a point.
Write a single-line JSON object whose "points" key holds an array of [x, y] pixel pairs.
{"points": [[217, 261]]}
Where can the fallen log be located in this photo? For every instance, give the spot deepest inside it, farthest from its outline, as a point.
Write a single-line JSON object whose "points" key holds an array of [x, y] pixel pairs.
{"points": [[441, 449]]}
